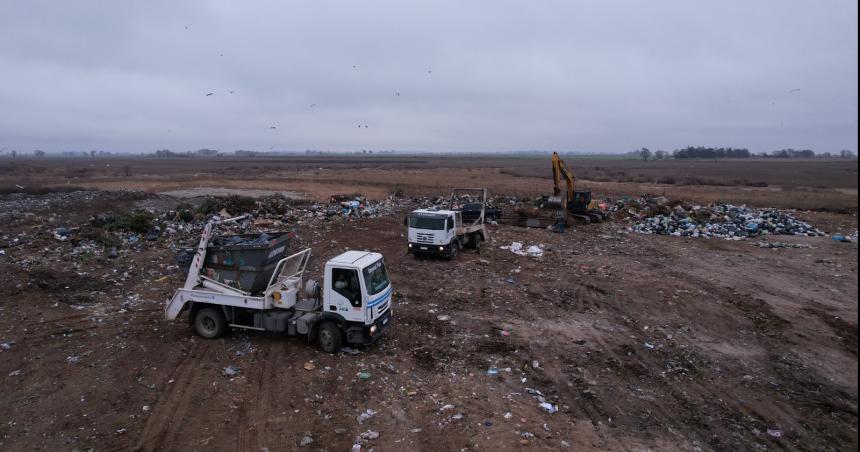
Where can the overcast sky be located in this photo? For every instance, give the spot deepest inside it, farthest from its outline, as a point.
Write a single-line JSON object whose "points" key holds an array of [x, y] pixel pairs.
{"points": [[495, 75]]}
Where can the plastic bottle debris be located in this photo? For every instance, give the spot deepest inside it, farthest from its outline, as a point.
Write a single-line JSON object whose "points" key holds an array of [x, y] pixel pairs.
{"points": [[492, 371], [231, 371], [443, 318], [774, 432], [650, 346], [364, 375]]}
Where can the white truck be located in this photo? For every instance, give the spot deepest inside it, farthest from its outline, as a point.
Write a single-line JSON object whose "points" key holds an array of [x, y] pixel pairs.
{"points": [[443, 232], [354, 307]]}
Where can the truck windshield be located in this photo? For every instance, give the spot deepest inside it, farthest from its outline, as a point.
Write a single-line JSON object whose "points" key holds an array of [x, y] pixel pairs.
{"points": [[375, 277], [434, 224]]}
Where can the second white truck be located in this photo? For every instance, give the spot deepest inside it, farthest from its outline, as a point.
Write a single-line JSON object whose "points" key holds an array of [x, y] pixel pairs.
{"points": [[443, 232]]}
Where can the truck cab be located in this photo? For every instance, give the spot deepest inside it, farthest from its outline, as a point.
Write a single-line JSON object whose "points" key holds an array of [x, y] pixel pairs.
{"points": [[433, 231], [358, 294]]}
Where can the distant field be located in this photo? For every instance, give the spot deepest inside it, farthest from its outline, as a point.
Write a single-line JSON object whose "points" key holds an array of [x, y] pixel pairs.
{"points": [[805, 184]]}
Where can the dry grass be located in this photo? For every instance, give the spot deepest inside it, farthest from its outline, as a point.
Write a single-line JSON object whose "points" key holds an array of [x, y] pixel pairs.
{"points": [[811, 184]]}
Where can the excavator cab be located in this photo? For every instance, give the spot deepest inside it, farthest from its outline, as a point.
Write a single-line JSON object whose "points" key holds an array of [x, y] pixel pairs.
{"points": [[580, 203]]}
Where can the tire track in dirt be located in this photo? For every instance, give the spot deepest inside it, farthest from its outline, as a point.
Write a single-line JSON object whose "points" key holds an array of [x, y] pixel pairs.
{"points": [[255, 417], [164, 423]]}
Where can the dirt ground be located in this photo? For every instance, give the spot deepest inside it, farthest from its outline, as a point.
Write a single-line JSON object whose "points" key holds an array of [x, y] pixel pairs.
{"points": [[642, 341], [802, 184]]}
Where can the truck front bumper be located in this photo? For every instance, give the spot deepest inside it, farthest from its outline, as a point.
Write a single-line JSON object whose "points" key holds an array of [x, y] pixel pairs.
{"points": [[425, 248], [361, 334]]}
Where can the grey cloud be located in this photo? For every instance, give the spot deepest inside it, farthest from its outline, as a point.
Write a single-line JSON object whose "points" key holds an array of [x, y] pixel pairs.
{"points": [[603, 76]]}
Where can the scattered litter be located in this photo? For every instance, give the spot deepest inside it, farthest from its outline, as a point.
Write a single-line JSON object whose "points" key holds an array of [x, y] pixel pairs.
{"points": [[488, 423], [650, 346], [15, 373], [504, 333], [492, 371], [306, 441], [365, 416], [309, 366], [548, 407], [350, 351], [5, 346], [446, 407], [364, 375], [535, 364], [508, 415], [535, 251], [231, 371], [844, 238], [443, 318], [776, 245], [121, 431], [370, 434], [517, 248], [776, 433], [73, 359]]}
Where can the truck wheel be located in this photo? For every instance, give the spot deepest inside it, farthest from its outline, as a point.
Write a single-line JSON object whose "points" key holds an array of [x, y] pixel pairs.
{"points": [[329, 337], [452, 250], [477, 243], [210, 323]]}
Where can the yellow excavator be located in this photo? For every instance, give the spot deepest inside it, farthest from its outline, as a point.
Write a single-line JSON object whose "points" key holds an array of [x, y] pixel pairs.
{"points": [[578, 203]]}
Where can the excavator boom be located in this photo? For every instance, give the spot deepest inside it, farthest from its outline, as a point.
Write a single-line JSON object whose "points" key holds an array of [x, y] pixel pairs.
{"points": [[559, 170]]}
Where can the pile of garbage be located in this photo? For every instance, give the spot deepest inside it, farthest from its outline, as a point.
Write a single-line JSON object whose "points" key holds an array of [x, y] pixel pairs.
{"points": [[659, 216], [233, 240]]}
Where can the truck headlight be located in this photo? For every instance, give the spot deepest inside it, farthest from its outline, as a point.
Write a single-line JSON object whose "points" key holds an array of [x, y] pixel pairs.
{"points": [[372, 330], [441, 248], [410, 245]]}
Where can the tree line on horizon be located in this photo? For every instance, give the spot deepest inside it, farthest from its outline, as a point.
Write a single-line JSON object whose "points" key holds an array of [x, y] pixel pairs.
{"points": [[703, 152]]}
